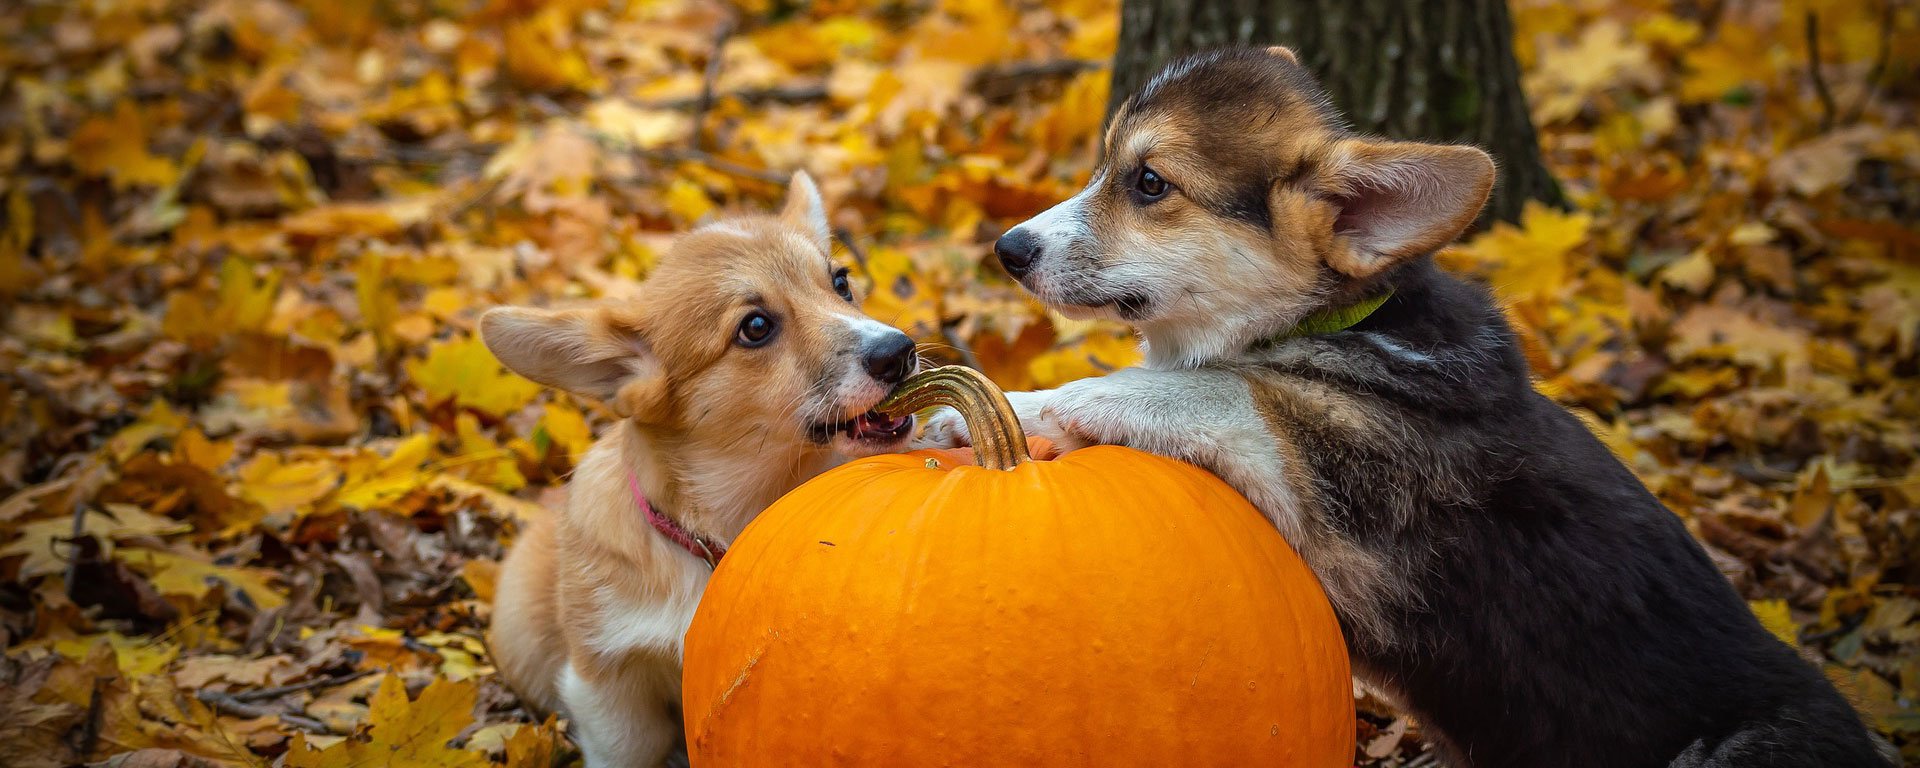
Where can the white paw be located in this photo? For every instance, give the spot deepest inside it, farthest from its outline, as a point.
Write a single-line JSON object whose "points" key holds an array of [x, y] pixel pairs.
{"points": [[944, 429], [1083, 413]]}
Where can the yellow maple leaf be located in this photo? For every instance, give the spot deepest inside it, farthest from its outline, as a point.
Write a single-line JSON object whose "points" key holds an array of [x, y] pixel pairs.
{"points": [[17, 270], [567, 428], [1773, 615], [481, 460], [136, 656], [402, 733], [460, 655], [1716, 332], [160, 421], [194, 448], [1097, 354], [534, 746], [373, 480], [1605, 56], [901, 296], [116, 146], [620, 120], [1693, 274], [45, 546], [1736, 57], [481, 576], [502, 504], [688, 201], [175, 574], [464, 371], [1529, 262], [283, 485], [242, 301]]}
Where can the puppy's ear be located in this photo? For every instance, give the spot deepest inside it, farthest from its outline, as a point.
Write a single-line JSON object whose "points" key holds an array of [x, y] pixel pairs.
{"points": [[593, 352], [1283, 52], [1402, 199], [806, 212]]}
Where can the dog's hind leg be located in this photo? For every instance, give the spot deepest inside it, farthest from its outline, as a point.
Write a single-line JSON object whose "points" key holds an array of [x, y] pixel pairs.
{"points": [[1791, 737]]}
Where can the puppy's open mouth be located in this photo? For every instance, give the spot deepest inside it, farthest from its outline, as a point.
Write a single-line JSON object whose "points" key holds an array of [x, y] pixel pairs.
{"points": [[1130, 306], [872, 426]]}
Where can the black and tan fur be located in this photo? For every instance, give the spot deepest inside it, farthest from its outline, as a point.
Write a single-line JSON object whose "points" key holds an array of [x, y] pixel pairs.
{"points": [[1495, 568]]}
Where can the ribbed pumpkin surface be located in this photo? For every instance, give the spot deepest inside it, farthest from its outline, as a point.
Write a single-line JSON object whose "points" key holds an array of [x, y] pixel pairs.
{"points": [[1106, 608]]}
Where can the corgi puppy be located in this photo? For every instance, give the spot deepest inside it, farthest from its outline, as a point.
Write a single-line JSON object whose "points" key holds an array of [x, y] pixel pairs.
{"points": [[742, 368], [1494, 567]]}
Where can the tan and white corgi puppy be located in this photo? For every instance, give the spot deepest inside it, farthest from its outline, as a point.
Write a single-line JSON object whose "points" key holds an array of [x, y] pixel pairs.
{"points": [[742, 368], [1494, 567]]}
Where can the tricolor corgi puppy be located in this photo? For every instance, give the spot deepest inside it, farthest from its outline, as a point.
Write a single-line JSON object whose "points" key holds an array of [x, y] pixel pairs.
{"points": [[742, 368], [1494, 567]]}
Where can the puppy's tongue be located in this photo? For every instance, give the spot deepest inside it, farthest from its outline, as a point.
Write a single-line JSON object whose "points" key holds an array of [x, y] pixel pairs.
{"points": [[873, 425]]}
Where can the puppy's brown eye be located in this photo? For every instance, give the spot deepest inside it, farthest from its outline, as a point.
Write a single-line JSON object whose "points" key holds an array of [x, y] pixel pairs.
{"points": [[843, 286], [756, 330], [1150, 184]]}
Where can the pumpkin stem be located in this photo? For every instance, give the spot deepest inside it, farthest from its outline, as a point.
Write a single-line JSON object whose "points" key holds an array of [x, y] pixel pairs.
{"points": [[998, 442]]}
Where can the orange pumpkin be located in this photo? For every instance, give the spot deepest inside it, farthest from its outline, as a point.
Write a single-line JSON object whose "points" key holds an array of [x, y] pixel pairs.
{"points": [[1108, 607]]}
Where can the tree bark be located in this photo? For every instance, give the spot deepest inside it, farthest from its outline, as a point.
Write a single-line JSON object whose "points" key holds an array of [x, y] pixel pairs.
{"points": [[1433, 71]]}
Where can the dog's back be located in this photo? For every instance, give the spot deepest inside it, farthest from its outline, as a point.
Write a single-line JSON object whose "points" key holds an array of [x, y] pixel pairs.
{"points": [[1555, 612]]}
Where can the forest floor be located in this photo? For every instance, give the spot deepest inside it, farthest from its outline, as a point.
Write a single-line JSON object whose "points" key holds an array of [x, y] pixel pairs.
{"points": [[256, 470]]}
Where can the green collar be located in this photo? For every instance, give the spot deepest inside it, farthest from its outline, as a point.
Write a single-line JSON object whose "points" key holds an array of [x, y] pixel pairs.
{"points": [[1335, 318]]}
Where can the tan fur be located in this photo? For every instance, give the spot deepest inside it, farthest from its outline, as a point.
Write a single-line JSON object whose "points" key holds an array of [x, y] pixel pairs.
{"points": [[525, 602], [592, 605]]}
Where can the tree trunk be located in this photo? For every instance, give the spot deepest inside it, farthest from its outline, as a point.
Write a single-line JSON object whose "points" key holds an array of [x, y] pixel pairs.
{"points": [[1434, 71]]}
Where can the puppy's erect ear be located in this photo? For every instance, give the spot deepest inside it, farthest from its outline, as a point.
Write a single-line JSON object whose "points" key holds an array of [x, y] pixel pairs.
{"points": [[1283, 52], [591, 352], [1402, 199], [805, 210]]}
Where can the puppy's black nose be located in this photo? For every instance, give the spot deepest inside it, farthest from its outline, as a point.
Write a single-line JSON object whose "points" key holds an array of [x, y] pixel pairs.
{"points": [[889, 358], [1018, 249]]}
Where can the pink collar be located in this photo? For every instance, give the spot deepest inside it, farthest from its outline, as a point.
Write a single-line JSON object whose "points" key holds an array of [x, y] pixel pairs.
{"points": [[700, 546]]}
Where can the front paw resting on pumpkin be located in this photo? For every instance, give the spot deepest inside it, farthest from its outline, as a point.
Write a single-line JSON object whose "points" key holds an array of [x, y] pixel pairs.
{"points": [[1086, 412], [945, 429], [1188, 415]]}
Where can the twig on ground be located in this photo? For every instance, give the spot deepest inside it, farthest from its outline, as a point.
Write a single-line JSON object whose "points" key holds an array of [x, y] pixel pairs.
{"points": [[846, 239], [991, 83], [277, 691], [705, 102], [226, 702], [793, 94], [725, 166], [90, 730], [1819, 79], [1872, 82], [996, 83], [73, 555]]}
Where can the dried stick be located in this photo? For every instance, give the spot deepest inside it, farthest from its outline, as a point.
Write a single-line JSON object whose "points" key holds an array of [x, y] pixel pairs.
{"points": [[277, 691], [1872, 82], [705, 102], [1819, 79], [226, 702]]}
